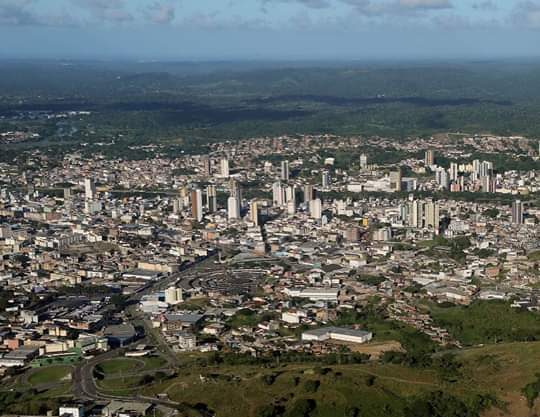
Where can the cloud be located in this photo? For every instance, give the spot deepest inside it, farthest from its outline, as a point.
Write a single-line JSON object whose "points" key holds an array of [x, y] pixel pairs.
{"points": [[22, 13], [213, 21], [485, 6], [373, 7], [13, 12], [425, 4], [311, 4], [315, 4], [527, 15], [161, 13], [106, 10], [397, 7]]}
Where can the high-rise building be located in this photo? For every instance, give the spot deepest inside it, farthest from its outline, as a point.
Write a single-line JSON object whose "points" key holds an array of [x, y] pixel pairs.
{"points": [[404, 212], [517, 212], [196, 205], [278, 194], [423, 214], [89, 189], [395, 180], [234, 202], [487, 183], [315, 209], [326, 180], [224, 168], [211, 198], [206, 166], [430, 157], [363, 161], [308, 193], [485, 169], [233, 208], [416, 213], [290, 194], [285, 170], [431, 213], [254, 212], [476, 167], [235, 189], [67, 193], [442, 178], [454, 171]]}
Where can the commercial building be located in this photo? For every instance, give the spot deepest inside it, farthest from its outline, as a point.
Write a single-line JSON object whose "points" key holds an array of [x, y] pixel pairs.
{"points": [[173, 295], [337, 333]]}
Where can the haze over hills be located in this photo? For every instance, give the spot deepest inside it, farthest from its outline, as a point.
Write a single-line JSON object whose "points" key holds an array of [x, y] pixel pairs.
{"points": [[207, 101]]}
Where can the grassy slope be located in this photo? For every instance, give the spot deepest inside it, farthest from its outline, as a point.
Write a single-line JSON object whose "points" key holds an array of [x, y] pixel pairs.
{"points": [[343, 387], [49, 375], [505, 369], [500, 370], [487, 322]]}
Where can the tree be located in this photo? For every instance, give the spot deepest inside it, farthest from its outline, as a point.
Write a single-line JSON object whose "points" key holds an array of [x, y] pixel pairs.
{"points": [[302, 408], [532, 391], [311, 385], [370, 380], [352, 412]]}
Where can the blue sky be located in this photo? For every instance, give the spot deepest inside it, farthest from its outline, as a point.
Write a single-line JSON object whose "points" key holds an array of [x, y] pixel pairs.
{"points": [[273, 29]]}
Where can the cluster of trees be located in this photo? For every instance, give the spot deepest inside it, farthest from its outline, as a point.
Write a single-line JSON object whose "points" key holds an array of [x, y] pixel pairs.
{"points": [[441, 404], [27, 403], [277, 357]]}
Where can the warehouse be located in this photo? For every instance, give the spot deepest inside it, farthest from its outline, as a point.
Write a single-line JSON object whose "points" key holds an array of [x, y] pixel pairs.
{"points": [[337, 333]]}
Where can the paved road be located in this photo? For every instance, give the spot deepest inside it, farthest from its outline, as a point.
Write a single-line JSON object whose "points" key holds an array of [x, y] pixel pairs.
{"points": [[84, 386]]}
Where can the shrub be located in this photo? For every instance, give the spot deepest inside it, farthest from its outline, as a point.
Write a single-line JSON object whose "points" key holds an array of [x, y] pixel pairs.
{"points": [[311, 386]]}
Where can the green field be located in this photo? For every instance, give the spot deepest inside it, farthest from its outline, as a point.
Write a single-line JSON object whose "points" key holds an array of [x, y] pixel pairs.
{"points": [[534, 256], [49, 375], [487, 322], [121, 383], [120, 366], [121, 376], [153, 362]]}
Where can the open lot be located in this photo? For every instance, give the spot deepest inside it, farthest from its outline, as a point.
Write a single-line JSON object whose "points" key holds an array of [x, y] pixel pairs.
{"points": [[49, 375]]}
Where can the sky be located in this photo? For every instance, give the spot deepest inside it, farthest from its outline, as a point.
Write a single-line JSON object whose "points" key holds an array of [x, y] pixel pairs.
{"points": [[269, 29]]}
